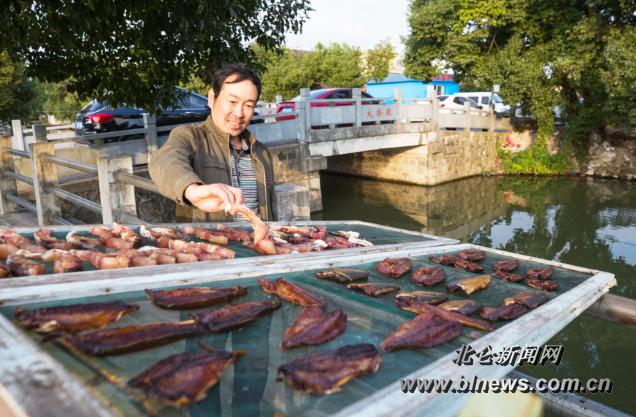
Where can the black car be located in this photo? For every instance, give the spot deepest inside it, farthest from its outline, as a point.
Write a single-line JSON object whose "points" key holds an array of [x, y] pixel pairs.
{"points": [[99, 117]]}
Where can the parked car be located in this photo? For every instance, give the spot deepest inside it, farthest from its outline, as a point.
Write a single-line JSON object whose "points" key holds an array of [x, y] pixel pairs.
{"points": [[324, 93], [483, 99], [100, 117], [455, 102]]}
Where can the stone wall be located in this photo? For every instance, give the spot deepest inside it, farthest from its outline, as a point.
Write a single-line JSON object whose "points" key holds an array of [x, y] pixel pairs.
{"points": [[447, 156]]}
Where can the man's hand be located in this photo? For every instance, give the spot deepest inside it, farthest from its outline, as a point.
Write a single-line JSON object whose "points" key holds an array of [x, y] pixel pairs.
{"points": [[213, 198]]}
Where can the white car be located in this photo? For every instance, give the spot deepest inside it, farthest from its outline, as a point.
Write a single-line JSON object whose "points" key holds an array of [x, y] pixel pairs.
{"points": [[456, 102], [483, 99]]}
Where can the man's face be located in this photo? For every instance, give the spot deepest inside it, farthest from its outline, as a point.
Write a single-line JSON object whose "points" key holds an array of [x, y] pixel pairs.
{"points": [[233, 109]]}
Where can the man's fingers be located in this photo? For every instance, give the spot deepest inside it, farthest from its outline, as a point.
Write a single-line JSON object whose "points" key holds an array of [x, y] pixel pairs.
{"points": [[238, 196]]}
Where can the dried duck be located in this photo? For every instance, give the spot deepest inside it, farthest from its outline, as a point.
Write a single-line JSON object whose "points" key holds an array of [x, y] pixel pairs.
{"points": [[506, 265], [108, 239], [423, 331], [45, 238], [467, 265], [394, 267], [313, 326], [405, 299], [472, 255], [234, 315], [464, 320], [542, 274], [540, 284], [132, 338], [23, 266], [63, 261], [291, 292], [16, 239], [504, 312], [326, 372], [374, 289], [73, 318], [184, 378], [154, 234], [263, 242], [465, 307], [428, 276], [343, 275], [81, 242], [530, 299], [212, 236], [469, 285], [194, 297]]}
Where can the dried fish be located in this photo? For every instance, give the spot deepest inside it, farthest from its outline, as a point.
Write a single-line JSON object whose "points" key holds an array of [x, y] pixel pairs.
{"points": [[428, 276], [291, 292], [505, 312], [184, 378], [132, 338], [424, 308], [530, 299], [73, 318], [466, 307], [394, 267], [326, 372], [194, 297], [313, 326], [343, 275], [234, 315], [469, 285], [423, 331], [405, 299], [374, 289]]}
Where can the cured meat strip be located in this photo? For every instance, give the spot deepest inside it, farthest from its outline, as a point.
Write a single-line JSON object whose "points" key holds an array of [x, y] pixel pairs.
{"points": [[195, 297], [505, 312], [132, 338], [184, 378], [530, 299], [465, 307], [542, 274], [472, 254], [326, 372], [508, 276], [506, 265], [313, 326], [73, 318], [541, 284], [423, 331], [234, 315], [291, 292], [394, 267], [467, 265]]}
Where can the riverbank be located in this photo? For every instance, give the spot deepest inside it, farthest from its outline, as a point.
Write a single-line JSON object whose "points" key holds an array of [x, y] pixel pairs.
{"points": [[611, 155]]}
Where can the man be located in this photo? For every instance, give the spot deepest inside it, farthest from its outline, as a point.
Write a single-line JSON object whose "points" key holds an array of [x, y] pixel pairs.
{"points": [[218, 164]]}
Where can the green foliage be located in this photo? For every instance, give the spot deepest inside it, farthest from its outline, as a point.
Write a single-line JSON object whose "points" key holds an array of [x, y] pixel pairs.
{"points": [[378, 61], [55, 99], [580, 55], [536, 160], [336, 65], [17, 92], [136, 51]]}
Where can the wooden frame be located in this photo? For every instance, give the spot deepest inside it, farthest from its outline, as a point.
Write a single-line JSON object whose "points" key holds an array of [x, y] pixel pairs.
{"points": [[20, 355]]}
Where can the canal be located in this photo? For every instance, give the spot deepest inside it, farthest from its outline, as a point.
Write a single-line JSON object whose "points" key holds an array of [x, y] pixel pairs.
{"points": [[579, 221]]}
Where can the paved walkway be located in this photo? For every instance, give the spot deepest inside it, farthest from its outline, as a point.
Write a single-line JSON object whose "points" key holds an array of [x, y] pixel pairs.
{"points": [[22, 218]]}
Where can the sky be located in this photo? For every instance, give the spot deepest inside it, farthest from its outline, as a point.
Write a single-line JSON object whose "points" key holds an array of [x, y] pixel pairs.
{"points": [[361, 23]]}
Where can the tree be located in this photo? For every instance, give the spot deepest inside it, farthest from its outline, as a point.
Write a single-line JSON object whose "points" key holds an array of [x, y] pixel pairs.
{"points": [[378, 61], [543, 54], [286, 72], [136, 51], [17, 92]]}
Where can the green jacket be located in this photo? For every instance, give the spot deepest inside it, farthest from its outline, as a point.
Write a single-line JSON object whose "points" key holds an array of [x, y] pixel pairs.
{"points": [[201, 154]]}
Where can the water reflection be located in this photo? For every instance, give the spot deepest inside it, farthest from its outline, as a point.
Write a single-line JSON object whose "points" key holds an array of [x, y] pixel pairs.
{"points": [[584, 222]]}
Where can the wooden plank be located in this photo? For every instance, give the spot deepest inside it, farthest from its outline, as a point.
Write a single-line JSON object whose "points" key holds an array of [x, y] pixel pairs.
{"points": [[39, 384], [44, 175], [7, 184]]}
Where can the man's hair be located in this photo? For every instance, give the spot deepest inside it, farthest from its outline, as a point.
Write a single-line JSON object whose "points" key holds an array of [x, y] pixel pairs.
{"points": [[242, 73]]}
